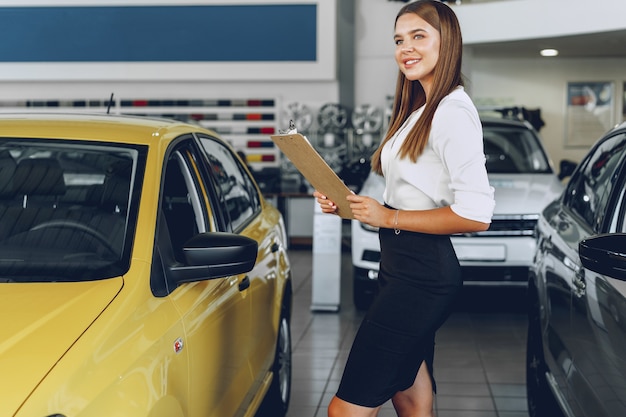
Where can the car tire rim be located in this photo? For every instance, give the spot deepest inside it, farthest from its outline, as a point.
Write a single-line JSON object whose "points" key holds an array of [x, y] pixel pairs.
{"points": [[284, 360]]}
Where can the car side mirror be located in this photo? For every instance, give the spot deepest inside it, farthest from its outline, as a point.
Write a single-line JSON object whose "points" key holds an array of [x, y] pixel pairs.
{"points": [[215, 255], [566, 168], [605, 254]]}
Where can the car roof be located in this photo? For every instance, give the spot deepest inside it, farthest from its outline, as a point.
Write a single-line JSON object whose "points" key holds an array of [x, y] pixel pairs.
{"points": [[96, 126], [620, 126]]}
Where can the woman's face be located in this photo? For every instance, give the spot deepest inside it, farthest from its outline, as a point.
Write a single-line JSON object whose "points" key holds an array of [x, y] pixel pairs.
{"points": [[417, 49]]}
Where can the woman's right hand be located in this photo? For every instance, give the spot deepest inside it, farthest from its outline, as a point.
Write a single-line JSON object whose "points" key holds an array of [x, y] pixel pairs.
{"points": [[326, 205]]}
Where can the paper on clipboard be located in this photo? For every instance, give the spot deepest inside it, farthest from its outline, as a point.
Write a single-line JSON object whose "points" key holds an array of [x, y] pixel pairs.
{"points": [[310, 164]]}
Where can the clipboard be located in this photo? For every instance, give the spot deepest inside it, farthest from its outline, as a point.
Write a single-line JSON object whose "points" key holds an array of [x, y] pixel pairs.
{"points": [[310, 164]]}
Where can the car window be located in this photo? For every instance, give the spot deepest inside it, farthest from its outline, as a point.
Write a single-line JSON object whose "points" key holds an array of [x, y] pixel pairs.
{"points": [[182, 208], [588, 191], [238, 195], [618, 223], [67, 208], [512, 150]]}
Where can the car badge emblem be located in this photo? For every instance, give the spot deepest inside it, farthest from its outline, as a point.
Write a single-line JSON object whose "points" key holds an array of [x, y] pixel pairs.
{"points": [[178, 345]]}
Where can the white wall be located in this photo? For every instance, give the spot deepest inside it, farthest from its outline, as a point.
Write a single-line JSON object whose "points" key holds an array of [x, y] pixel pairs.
{"points": [[533, 83]]}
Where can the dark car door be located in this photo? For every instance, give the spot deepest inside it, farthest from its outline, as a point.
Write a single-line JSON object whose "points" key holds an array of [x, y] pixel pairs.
{"points": [[598, 378], [577, 338], [557, 262]]}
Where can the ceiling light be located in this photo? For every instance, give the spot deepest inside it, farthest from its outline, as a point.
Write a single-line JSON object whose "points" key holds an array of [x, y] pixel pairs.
{"points": [[549, 52]]}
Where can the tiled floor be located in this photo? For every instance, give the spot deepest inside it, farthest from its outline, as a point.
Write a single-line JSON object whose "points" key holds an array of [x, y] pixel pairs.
{"points": [[479, 356]]}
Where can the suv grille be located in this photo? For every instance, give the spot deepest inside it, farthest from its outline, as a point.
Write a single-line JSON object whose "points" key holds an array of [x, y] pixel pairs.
{"points": [[509, 225]]}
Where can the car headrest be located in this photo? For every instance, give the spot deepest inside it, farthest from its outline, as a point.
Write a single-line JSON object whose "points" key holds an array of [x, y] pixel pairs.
{"points": [[116, 191], [117, 184], [39, 176], [7, 172], [113, 193]]}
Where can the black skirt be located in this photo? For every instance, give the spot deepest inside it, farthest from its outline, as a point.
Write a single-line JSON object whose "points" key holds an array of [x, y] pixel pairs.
{"points": [[419, 280]]}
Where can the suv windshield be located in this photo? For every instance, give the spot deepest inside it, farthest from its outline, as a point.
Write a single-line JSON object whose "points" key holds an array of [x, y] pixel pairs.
{"points": [[513, 150], [67, 210]]}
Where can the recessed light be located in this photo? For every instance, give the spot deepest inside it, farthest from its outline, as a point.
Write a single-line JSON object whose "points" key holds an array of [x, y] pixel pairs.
{"points": [[549, 52]]}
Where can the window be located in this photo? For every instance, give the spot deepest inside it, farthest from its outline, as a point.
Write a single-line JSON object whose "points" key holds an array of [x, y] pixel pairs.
{"points": [[617, 221], [67, 208], [513, 151], [588, 192], [237, 193], [183, 212], [181, 206]]}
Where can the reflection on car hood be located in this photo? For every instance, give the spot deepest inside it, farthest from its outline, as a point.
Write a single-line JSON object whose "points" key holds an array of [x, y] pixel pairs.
{"points": [[40, 322], [524, 193], [514, 193]]}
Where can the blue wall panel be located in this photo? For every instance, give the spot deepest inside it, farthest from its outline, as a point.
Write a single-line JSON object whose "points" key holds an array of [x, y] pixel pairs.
{"points": [[286, 32]]}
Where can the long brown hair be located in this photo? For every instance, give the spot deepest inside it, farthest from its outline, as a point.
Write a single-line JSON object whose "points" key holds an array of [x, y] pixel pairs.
{"points": [[410, 95]]}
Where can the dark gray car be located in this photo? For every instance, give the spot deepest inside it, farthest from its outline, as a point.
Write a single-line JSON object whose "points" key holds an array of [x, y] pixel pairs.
{"points": [[576, 356]]}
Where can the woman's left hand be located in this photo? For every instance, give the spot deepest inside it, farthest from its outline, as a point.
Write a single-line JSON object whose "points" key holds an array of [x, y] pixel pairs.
{"points": [[367, 210]]}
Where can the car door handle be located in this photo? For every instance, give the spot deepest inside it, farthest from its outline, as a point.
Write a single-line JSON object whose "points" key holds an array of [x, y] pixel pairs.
{"points": [[244, 284]]}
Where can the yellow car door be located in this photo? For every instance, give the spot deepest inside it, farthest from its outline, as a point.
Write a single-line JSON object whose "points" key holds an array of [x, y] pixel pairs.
{"points": [[215, 313]]}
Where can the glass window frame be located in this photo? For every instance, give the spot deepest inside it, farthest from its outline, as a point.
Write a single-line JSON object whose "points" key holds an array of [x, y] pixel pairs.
{"points": [[123, 263], [600, 220], [250, 187]]}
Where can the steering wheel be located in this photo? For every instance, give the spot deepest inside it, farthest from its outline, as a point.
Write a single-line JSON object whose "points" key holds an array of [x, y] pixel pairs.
{"points": [[80, 227]]}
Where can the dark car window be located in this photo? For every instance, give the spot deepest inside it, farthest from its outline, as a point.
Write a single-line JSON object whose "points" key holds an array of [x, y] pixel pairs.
{"points": [[67, 209], [239, 197], [178, 198], [513, 150], [618, 219], [183, 212], [588, 191]]}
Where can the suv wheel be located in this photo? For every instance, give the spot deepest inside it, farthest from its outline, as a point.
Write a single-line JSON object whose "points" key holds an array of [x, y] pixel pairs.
{"points": [[277, 399], [541, 401]]}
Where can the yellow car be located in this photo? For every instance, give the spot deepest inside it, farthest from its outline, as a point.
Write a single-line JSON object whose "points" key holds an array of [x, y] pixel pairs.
{"points": [[141, 273]]}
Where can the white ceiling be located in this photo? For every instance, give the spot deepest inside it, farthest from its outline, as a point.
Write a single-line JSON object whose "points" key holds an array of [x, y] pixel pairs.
{"points": [[594, 45]]}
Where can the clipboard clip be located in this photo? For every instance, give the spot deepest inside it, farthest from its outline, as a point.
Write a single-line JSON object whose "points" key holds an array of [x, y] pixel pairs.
{"points": [[291, 130]]}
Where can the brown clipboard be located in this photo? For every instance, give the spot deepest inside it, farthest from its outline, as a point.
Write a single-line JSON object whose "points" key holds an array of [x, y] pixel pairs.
{"points": [[313, 167]]}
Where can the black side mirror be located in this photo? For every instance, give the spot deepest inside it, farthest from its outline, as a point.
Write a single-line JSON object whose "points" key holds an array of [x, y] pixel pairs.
{"points": [[605, 254], [566, 168], [215, 255]]}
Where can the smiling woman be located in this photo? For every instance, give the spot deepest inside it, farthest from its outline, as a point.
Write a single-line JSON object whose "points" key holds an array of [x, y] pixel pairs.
{"points": [[436, 184]]}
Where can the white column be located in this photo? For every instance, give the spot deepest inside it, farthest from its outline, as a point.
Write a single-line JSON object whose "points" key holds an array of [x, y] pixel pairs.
{"points": [[326, 261]]}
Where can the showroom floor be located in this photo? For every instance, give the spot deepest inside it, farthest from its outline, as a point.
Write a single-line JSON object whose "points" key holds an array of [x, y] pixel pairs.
{"points": [[479, 356]]}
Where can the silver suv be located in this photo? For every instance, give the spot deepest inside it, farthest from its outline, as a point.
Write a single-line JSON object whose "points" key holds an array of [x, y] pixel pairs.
{"points": [[576, 361], [524, 181]]}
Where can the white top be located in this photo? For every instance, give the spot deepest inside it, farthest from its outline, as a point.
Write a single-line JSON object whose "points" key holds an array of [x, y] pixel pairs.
{"points": [[451, 170]]}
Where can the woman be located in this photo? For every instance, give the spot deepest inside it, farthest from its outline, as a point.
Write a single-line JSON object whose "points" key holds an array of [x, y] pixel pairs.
{"points": [[436, 185]]}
